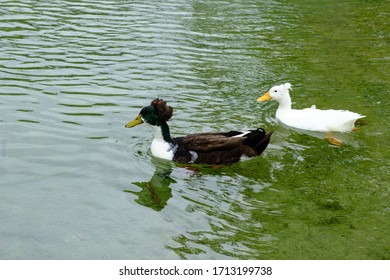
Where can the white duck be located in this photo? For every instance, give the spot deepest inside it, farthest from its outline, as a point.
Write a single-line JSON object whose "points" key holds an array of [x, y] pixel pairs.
{"points": [[310, 118]]}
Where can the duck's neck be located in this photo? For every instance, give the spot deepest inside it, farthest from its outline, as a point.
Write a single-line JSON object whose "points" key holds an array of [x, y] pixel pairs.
{"points": [[162, 144], [162, 133], [285, 103]]}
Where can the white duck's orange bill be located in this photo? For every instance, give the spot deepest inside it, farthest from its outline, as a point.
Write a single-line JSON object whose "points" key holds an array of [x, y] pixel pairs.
{"points": [[265, 97]]}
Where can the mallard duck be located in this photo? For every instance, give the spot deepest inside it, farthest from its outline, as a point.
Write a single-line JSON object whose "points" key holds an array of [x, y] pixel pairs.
{"points": [[205, 148], [310, 118]]}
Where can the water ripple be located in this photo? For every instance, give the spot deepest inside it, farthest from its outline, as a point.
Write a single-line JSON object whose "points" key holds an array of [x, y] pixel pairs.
{"points": [[72, 73]]}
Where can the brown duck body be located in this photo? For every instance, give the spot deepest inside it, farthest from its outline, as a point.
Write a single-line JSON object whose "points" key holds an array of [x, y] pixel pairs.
{"points": [[218, 148], [204, 148]]}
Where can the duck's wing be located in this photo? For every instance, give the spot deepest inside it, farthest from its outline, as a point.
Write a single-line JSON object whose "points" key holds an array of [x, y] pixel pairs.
{"points": [[208, 142], [216, 148]]}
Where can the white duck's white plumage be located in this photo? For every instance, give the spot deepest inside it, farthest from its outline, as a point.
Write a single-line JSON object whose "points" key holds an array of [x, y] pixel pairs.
{"points": [[309, 118]]}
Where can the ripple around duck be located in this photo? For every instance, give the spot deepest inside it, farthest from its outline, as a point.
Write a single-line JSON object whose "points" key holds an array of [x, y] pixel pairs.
{"points": [[233, 222]]}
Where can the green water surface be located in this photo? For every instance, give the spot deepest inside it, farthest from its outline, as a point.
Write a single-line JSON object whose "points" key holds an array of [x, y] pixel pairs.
{"points": [[75, 184]]}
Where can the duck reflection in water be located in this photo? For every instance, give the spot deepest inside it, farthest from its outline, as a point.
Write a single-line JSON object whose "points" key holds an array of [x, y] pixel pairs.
{"points": [[156, 192]]}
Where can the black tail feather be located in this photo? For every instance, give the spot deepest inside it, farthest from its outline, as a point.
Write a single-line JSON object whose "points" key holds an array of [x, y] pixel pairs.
{"points": [[258, 140]]}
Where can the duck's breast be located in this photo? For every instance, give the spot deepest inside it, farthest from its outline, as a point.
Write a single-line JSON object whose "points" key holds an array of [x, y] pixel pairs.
{"points": [[162, 149]]}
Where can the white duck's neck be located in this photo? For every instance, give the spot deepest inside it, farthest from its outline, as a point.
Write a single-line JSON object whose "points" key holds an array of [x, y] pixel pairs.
{"points": [[285, 103]]}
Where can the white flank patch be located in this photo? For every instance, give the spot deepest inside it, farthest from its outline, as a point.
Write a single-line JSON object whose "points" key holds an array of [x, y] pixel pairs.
{"points": [[244, 157], [194, 156]]}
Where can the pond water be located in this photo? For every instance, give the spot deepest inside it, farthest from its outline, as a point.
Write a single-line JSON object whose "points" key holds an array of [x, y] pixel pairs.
{"points": [[75, 184]]}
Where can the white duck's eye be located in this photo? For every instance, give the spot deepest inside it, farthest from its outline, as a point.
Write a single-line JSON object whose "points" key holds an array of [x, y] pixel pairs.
{"points": [[276, 90]]}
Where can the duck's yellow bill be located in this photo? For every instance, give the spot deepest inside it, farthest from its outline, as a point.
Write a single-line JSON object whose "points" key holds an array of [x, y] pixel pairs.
{"points": [[138, 120], [265, 97]]}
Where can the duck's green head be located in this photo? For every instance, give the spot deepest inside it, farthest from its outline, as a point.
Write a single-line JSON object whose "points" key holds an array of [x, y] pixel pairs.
{"points": [[156, 113]]}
